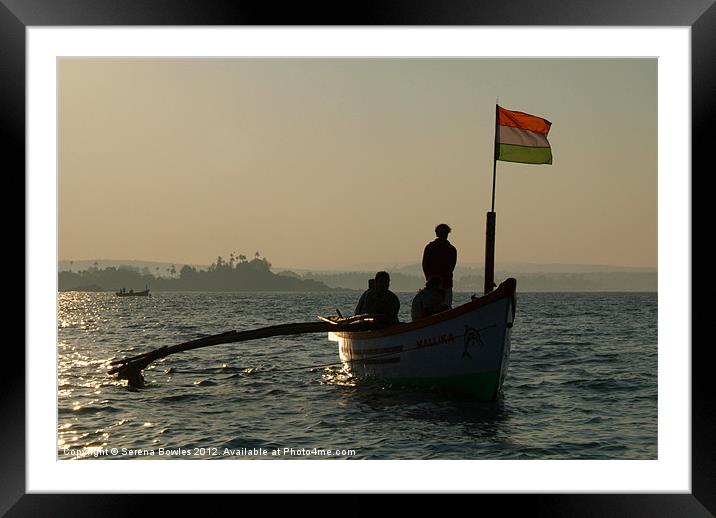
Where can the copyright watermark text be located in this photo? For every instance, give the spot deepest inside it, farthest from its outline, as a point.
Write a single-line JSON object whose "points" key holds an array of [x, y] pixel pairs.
{"points": [[202, 452]]}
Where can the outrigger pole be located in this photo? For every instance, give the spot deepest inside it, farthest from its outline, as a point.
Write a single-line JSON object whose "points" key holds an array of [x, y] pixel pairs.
{"points": [[490, 232], [131, 368]]}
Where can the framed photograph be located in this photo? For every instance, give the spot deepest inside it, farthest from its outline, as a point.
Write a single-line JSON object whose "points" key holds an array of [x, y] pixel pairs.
{"points": [[330, 145]]}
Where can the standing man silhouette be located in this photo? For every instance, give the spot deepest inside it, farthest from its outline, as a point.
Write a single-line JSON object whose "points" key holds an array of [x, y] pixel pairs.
{"points": [[439, 259]]}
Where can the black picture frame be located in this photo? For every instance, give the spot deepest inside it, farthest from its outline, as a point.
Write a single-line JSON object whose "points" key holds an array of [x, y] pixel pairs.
{"points": [[700, 15]]}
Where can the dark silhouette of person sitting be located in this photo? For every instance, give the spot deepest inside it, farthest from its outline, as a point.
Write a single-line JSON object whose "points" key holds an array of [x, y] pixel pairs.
{"points": [[360, 308], [429, 300], [381, 301]]}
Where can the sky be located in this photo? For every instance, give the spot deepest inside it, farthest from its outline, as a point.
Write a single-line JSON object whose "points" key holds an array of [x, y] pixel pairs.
{"points": [[343, 163]]}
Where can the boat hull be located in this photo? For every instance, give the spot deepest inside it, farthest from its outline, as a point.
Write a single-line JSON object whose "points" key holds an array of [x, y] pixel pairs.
{"points": [[144, 293], [465, 349]]}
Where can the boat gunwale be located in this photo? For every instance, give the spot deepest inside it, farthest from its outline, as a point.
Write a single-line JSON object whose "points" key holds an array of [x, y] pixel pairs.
{"points": [[506, 289]]}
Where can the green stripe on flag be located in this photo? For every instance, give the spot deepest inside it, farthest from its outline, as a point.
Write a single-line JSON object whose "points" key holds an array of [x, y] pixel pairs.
{"points": [[525, 154]]}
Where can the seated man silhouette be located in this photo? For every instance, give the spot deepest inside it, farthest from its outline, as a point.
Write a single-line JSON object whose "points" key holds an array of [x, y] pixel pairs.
{"points": [[360, 308], [381, 301], [429, 300]]}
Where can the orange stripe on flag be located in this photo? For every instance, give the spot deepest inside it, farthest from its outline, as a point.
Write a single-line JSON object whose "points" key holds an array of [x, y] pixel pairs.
{"points": [[523, 121]]}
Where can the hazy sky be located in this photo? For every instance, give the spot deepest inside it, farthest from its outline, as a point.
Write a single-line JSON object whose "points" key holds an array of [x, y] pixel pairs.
{"points": [[337, 163]]}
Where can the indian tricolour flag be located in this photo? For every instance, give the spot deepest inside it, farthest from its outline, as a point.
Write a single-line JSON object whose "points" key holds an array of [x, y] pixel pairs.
{"points": [[520, 137]]}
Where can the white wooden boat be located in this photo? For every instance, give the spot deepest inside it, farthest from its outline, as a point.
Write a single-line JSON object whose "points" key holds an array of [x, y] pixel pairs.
{"points": [[464, 349]]}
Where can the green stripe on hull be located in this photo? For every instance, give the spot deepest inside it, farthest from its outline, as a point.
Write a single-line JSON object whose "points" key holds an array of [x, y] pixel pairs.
{"points": [[481, 385], [525, 154]]}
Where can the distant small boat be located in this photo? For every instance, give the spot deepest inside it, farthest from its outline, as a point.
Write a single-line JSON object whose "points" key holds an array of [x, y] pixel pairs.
{"points": [[464, 349], [132, 293]]}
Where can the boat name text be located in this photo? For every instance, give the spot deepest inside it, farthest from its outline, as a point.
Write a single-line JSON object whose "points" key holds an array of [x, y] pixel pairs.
{"points": [[435, 340]]}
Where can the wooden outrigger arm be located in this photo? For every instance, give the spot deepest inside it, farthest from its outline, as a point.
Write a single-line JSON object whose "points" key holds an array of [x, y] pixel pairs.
{"points": [[131, 368]]}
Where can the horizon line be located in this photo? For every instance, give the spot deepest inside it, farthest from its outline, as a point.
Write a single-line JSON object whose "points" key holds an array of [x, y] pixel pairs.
{"points": [[347, 269]]}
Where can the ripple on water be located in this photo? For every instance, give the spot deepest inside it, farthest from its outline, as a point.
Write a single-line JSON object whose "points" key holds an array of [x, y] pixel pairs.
{"points": [[182, 398], [205, 383], [89, 409]]}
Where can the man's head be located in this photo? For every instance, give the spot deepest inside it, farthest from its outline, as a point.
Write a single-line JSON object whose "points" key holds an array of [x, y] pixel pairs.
{"points": [[442, 231], [382, 280]]}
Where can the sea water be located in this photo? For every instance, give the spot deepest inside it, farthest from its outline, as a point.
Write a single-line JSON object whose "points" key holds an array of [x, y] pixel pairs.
{"points": [[582, 384]]}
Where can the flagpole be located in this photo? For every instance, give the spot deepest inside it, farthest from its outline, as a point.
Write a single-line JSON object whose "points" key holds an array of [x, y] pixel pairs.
{"points": [[494, 155], [490, 230]]}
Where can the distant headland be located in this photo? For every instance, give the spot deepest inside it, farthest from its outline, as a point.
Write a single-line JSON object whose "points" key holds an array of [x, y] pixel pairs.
{"points": [[240, 274], [236, 274]]}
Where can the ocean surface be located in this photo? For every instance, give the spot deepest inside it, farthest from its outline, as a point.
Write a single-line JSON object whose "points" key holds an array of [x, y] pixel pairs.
{"points": [[582, 384]]}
